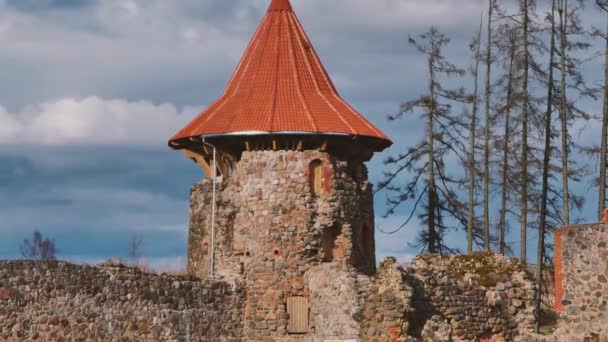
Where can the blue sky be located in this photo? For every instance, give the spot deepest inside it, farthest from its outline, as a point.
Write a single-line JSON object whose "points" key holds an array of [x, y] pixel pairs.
{"points": [[91, 90]]}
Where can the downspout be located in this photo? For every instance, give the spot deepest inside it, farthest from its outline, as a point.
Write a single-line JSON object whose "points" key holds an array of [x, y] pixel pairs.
{"points": [[213, 209]]}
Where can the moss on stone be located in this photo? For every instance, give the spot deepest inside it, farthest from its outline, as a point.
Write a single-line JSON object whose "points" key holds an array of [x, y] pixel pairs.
{"points": [[483, 268]]}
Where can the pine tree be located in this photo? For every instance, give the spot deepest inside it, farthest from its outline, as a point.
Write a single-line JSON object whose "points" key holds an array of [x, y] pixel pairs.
{"points": [[476, 48], [545, 169], [525, 11], [563, 17], [429, 187], [509, 84], [487, 131], [572, 88], [604, 132]]}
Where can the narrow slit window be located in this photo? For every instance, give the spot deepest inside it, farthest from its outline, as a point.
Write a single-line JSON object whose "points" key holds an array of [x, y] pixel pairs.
{"points": [[329, 243]]}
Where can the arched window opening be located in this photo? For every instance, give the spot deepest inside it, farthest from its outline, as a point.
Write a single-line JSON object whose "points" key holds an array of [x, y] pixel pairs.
{"points": [[316, 177]]}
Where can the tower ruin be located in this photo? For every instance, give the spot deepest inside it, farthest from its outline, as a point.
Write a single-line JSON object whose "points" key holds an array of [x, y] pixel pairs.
{"points": [[287, 207]]}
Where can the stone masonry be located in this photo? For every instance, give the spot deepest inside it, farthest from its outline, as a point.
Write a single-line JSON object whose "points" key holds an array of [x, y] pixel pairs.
{"points": [[281, 240], [437, 299], [479, 295], [274, 234], [58, 301], [581, 280], [294, 261], [450, 298]]}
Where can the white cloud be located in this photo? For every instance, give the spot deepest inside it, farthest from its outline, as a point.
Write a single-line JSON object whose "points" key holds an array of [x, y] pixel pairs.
{"points": [[115, 49], [391, 14], [9, 126], [93, 121]]}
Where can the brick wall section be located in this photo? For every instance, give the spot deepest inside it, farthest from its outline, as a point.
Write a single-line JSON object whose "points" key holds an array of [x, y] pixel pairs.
{"points": [[558, 264], [58, 301], [584, 311]]}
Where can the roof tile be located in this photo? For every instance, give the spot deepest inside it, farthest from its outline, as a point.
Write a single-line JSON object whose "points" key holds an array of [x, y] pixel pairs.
{"points": [[280, 85]]}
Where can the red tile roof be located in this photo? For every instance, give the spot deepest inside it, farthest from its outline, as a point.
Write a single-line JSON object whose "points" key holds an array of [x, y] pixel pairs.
{"points": [[280, 86]]}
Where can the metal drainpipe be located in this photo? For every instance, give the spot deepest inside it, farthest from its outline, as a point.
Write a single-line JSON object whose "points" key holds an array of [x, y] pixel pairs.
{"points": [[213, 208]]}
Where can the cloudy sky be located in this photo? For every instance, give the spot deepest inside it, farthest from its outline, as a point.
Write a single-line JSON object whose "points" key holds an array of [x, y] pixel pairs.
{"points": [[91, 90]]}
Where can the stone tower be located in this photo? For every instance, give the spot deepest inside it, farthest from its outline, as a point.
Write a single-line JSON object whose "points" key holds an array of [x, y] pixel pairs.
{"points": [[290, 213]]}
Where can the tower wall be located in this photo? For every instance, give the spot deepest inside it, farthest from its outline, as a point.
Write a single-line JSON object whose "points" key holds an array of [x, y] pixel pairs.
{"points": [[581, 281], [279, 226]]}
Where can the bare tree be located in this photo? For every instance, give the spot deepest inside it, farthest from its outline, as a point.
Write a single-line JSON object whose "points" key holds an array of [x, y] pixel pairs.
{"points": [[134, 248], [546, 163], [487, 132], [434, 201], [563, 26], [604, 144], [525, 11], [509, 84], [38, 248], [573, 37], [476, 47]]}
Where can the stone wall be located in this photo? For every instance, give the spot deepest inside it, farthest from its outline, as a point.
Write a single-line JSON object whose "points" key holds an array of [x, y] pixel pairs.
{"points": [[58, 301], [336, 298], [272, 230], [439, 299], [450, 298], [388, 307], [266, 209], [581, 271], [479, 295]]}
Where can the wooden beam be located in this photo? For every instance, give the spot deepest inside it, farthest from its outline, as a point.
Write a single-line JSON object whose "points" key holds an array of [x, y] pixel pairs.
{"points": [[222, 163], [200, 160], [300, 145], [247, 146], [323, 147], [274, 144]]}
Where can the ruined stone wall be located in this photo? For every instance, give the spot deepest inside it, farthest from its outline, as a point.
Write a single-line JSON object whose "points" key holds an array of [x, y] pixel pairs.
{"points": [[272, 230], [451, 298], [441, 299], [388, 306], [581, 270], [58, 301], [479, 295]]}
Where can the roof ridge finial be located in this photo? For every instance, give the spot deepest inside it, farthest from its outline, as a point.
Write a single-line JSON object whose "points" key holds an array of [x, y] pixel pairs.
{"points": [[279, 5]]}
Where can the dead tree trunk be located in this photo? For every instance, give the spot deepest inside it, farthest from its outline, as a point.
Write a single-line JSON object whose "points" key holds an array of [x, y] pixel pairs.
{"points": [[604, 147], [545, 182], [563, 16], [524, 138], [486, 158], [505, 147], [473, 132], [431, 177]]}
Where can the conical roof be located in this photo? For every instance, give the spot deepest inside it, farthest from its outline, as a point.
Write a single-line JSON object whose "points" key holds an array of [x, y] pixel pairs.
{"points": [[280, 87]]}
